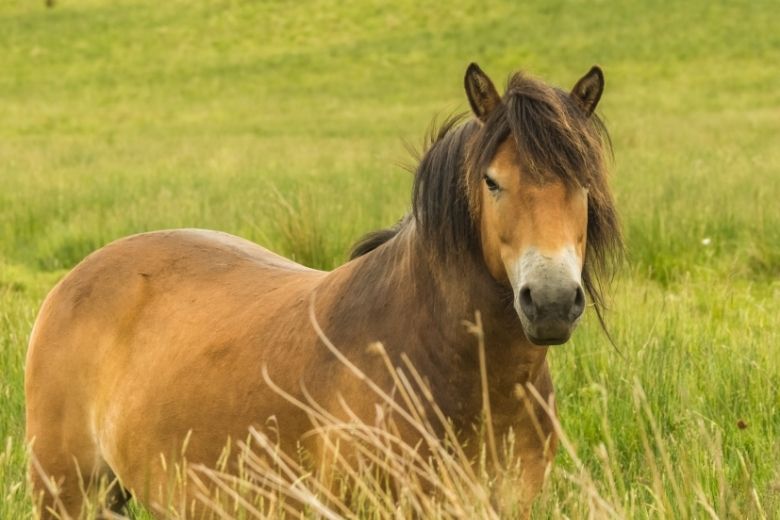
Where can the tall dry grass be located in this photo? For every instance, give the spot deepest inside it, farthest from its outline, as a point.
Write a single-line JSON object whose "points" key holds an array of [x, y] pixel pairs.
{"points": [[373, 473]]}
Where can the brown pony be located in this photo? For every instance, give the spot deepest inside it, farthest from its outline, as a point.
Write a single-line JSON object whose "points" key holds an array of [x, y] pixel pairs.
{"points": [[161, 338]]}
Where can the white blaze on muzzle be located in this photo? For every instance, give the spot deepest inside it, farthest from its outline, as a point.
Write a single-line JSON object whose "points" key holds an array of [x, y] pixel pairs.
{"points": [[548, 295]]}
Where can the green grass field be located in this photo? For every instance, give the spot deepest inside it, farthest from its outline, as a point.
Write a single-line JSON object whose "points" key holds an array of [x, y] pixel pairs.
{"points": [[285, 123]]}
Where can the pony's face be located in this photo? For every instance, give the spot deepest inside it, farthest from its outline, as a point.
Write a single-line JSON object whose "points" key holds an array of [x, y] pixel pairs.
{"points": [[533, 237], [534, 232]]}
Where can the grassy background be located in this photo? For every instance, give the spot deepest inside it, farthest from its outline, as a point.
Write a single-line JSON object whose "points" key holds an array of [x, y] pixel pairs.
{"points": [[285, 122]]}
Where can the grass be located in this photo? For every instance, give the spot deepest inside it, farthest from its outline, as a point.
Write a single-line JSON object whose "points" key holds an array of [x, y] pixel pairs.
{"points": [[285, 123]]}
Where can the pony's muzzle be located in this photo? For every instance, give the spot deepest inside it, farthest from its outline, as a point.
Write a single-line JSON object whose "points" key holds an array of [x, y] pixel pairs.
{"points": [[549, 310]]}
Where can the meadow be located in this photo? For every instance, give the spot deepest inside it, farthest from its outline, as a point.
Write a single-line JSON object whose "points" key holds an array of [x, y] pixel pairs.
{"points": [[288, 123]]}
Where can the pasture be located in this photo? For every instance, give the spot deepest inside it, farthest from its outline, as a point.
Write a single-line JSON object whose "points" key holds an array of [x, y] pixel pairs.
{"points": [[285, 124]]}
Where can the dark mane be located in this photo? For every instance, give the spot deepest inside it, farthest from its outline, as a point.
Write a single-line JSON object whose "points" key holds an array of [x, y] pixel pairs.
{"points": [[374, 239], [439, 202], [556, 140]]}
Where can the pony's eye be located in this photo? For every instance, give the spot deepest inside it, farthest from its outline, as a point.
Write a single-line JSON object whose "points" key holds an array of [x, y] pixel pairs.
{"points": [[491, 184]]}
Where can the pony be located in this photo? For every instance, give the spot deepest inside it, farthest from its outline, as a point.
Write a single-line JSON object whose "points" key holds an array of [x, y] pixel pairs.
{"points": [[161, 339]]}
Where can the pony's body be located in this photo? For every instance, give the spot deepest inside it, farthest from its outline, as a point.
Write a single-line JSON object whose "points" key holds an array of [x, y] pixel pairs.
{"points": [[238, 307], [161, 340]]}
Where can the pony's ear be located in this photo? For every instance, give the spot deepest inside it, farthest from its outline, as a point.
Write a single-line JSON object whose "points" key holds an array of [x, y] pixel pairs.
{"points": [[482, 95], [588, 89]]}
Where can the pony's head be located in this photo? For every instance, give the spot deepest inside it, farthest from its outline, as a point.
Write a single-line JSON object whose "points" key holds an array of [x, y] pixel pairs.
{"points": [[522, 189], [538, 196]]}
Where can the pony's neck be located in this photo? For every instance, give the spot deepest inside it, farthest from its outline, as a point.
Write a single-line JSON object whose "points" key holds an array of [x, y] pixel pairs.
{"points": [[415, 304]]}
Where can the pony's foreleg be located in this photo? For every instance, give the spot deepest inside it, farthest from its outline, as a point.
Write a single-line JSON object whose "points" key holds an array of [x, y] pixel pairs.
{"points": [[538, 442]]}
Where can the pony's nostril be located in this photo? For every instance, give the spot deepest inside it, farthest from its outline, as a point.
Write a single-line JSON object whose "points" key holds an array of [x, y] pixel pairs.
{"points": [[527, 302], [579, 303]]}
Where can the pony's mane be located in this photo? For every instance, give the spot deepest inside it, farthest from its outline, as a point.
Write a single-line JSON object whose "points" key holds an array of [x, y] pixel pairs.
{"points": [[436, 185], [556, 140], [437, 195]]}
